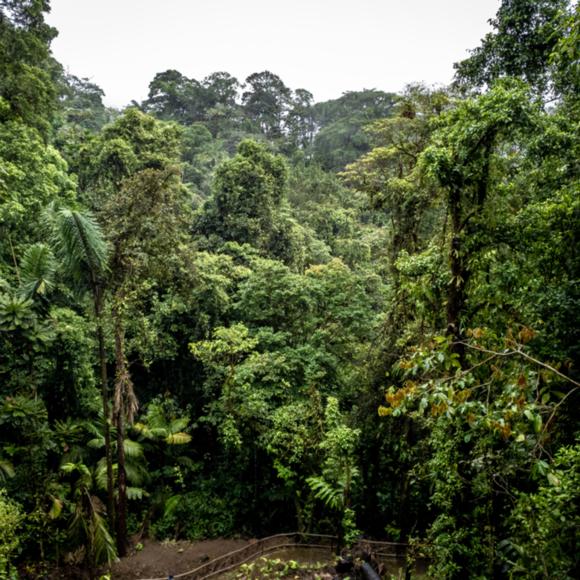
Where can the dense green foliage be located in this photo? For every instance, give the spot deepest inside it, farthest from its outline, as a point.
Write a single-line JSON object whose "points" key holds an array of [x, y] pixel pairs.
{"points": [[231, 310]]}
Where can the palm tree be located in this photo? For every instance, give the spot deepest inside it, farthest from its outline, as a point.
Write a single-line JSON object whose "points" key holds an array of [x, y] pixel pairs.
{"points": [[88, 528], [79, 243]]}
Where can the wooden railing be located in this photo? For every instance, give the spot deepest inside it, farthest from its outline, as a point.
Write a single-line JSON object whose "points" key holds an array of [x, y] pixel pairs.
{"points": [[227, 562], [232, 560], [384, 550]]}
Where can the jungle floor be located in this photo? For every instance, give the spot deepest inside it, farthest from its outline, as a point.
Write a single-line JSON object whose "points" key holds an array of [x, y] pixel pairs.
{"points": [[160, 559]]}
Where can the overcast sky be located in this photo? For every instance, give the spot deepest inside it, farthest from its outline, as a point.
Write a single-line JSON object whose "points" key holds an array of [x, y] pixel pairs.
{"points": [[325, 46]]}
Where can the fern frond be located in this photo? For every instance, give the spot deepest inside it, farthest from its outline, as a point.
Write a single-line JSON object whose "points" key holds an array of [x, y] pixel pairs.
{"points": [[186, 461], [136, 493], [332, 497]]}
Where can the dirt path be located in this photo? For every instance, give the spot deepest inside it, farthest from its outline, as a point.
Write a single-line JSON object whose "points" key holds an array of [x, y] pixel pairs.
{"points": [[159, 560]]}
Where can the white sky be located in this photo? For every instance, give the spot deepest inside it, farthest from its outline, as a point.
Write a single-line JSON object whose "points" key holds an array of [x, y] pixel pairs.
{"points": [[325, 46]]}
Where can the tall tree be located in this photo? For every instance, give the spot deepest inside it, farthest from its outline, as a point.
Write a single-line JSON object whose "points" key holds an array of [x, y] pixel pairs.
{"points": [[389, 174], [341, 138], [33, 174], [135, 180], [461, 159], [145, 224], [80, 244], [266, 102], [174, 97], [248, 192], [300, 120], [26, 82], [526, 32], [82, 104]]}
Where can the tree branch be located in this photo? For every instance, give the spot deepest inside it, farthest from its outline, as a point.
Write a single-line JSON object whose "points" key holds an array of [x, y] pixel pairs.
{"points": [[526, 356]]}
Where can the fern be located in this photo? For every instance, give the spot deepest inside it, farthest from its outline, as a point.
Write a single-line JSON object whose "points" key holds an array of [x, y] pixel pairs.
{"points": [[332, 497], [136, 493]]}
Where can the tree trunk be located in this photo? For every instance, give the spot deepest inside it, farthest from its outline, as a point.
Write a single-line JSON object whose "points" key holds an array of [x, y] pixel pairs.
{"points": [[98, 300], [121, 379], [459, 274], [457, 295], [121, 487], [125, 407]]}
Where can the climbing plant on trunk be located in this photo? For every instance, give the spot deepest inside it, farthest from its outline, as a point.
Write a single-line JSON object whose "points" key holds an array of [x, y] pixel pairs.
{"points": [[143, 225], [470, 141]]}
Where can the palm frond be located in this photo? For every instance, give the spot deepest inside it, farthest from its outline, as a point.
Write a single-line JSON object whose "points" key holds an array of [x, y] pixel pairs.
{"points": [[149, 432], [4, 286], [78, 527], [70, 429], [94, 428], [79, 242], [158, 432], [142, 429], [132, 448], [68, 467], [136, 472], [37, 270], [96, 443], [101, 542], [101, 474]]}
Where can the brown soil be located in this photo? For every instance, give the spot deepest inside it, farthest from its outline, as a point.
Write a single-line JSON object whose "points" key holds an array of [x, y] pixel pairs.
{"points": [[160, 559]]}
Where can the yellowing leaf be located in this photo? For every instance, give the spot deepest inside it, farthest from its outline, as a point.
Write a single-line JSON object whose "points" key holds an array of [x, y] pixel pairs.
{"points": [[178, 438]]}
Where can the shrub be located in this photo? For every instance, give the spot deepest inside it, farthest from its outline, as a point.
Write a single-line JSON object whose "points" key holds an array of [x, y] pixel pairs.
{"points": [[545, 541], [196, 515], [11, 517]]}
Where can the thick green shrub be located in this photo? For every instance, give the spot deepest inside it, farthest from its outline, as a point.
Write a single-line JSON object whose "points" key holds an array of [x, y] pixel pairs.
{"points": [[10, 519], [545, 542], [196, 515]]}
